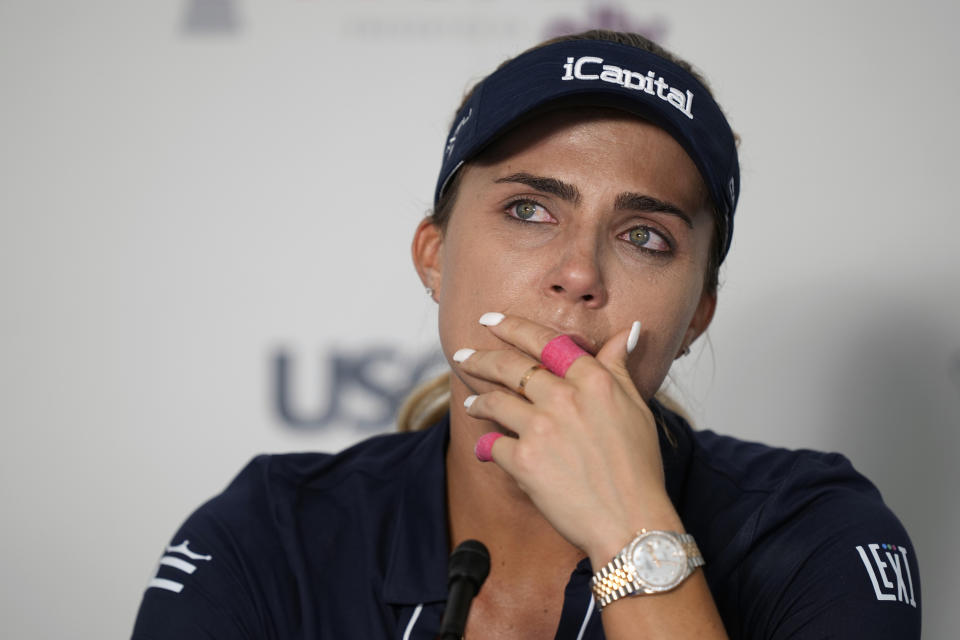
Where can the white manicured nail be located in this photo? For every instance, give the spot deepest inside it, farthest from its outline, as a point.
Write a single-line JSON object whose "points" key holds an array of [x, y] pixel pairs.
{"points": [[469, 401], [632, 339], [463, 354], [491, 319]]}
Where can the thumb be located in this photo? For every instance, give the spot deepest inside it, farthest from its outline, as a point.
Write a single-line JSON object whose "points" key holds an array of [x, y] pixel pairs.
{"points": [[613, 355]]}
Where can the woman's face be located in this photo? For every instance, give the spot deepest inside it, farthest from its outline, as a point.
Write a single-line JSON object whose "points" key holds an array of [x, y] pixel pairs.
{"points": [[583, 221]]}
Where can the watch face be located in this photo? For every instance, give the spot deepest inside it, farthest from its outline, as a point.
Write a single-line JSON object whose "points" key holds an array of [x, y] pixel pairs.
{"points": [[659, 560]]}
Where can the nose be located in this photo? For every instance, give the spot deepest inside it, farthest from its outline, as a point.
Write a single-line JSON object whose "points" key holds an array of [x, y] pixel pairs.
{"points": [[576, 276]]}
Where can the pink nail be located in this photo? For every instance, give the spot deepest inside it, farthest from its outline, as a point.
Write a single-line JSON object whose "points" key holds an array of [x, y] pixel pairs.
{"points": [[485, 445]]}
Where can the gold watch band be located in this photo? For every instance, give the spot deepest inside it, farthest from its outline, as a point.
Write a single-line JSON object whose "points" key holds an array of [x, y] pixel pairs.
{"points": [[613, 581], [619, 578]]}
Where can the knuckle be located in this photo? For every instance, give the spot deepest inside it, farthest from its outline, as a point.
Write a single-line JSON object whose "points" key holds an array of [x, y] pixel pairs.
{"points": [[540, 425], [564, 395], [598, 381], [501, 365], [495, 399], [524, 457]]}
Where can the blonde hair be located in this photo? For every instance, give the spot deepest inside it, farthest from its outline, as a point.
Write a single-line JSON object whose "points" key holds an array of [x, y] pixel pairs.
{"points": [[425, 405]]}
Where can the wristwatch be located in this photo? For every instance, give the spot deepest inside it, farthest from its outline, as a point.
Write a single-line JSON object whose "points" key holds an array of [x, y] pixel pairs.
{"points": [[653, 562]]}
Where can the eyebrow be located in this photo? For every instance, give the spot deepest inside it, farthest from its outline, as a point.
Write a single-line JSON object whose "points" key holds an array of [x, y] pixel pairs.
{"points": [[628, 201], [641, 202], [562, 190]]}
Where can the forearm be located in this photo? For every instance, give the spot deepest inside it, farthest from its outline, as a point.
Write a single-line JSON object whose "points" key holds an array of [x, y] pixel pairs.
{"points": [[685, 612]]}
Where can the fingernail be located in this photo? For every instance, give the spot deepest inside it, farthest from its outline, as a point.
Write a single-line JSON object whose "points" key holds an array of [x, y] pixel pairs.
{"points": [[491, 319], [633, 338], [469, 401], [463, 354], [484, 446]]}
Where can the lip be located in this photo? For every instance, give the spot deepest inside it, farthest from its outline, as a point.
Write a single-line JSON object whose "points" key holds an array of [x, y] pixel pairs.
{"points": [[582, 342]]}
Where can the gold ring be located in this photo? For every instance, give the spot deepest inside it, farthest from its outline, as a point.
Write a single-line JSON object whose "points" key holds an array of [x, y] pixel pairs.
{"points": [[526, 378]]}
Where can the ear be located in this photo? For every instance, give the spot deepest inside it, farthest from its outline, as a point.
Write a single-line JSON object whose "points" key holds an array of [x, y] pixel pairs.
{"points": [[700, 321], [427, 250]]}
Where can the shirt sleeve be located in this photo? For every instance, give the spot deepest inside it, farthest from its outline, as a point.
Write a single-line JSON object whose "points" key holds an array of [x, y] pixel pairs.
{"points": [[840, 566], [222, 575], [194, 591]]}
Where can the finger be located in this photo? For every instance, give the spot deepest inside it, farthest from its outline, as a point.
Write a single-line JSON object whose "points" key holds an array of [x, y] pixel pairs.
{"points": [[505, 409], [503, 453], [616, 352], [506, 367], [526, 335], [531, 337]]}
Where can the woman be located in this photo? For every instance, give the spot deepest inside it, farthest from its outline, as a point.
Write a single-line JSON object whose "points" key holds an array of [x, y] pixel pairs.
{"points": [[583, 207]]}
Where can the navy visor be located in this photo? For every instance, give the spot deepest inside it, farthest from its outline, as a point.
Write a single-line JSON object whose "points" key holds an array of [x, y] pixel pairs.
{"points": [[603, 74]]}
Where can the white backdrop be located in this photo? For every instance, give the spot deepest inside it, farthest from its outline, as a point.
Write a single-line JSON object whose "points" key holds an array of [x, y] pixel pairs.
{"points": [[193, 189]]}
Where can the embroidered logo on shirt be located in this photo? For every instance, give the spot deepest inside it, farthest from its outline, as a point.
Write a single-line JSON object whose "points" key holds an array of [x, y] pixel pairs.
{"points": [[883, 561], [177, 563]]}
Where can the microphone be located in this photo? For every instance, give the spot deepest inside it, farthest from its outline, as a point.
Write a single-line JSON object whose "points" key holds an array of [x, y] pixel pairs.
{"points": [[469, 567]]}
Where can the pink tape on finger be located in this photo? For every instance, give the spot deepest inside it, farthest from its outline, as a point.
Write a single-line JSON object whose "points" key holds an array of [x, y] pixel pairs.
{"points": [[559, 354], [485, 445]]}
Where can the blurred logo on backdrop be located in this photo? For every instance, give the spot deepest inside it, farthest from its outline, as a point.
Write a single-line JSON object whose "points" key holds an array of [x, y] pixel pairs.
{"points": [[607, 16], [457, 21], [361, 389], [209, 17], [375, 20]]}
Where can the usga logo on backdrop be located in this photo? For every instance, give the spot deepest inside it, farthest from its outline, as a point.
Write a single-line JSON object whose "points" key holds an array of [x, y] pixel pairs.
{"points": [[574, 70]]}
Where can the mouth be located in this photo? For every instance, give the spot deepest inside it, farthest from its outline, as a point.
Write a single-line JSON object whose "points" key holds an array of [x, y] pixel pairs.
{"points": [[584, 343]]}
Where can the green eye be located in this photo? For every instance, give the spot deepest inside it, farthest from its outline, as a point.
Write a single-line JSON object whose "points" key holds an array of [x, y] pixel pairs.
{"points": [[640, 236], [525, 210], [648, 240]]}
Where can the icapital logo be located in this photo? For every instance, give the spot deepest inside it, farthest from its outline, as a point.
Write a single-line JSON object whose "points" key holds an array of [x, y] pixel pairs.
{"points": [[648, 83]]}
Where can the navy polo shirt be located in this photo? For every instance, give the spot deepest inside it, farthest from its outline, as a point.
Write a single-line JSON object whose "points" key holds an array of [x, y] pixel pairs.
{"points": [[354, 545]]}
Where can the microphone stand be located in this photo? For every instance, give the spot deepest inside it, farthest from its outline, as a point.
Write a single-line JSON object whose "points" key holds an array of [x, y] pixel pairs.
{"points": [[468, 568]]}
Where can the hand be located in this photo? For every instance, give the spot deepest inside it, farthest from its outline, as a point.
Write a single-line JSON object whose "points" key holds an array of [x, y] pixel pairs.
{"points": [[586, 452]]}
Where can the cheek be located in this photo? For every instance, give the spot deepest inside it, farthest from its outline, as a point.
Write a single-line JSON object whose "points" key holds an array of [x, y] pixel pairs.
{"points": [[455, 300], [476, 279], [665, 318], [650, 362]]}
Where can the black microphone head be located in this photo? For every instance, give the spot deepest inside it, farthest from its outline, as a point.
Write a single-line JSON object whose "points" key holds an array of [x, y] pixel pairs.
{"points": [[469, 560]]}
